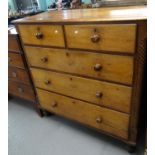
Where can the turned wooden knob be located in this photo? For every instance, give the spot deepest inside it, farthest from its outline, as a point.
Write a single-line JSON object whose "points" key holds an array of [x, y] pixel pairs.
{"points": [[47, 82], [39, 35], [14, 74], [54, 104], [95, 38], [44, 59], [97, 67], [99, 94], [20, 90], [99, 120]]}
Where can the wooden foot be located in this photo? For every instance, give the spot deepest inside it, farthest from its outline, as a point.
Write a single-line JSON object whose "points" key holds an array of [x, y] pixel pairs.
{"points": [[41, 112], [46, 113], [38, 110], [131, 148]]}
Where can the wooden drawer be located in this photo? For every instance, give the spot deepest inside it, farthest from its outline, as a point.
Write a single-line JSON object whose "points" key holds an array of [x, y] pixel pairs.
{"points": [[102, 66], [13, 44], [102, 93], [15, 60], [104, 119], [49, 35], [18, 75], [109, 37], [21, 90]]}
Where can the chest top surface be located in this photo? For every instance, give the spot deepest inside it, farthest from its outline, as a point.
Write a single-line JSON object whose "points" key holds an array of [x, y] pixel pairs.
{"points": [[89, 15]]}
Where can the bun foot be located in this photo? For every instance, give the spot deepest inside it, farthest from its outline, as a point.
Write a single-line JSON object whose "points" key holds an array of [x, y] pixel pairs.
{"points": [[46, 113], [131, 148]]}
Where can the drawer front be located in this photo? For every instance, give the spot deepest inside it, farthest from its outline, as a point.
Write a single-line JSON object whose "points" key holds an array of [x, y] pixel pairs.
{"points": [[13, 44], [15, 60], [102, 66], [49, 35], [104, 119], [116, 38], [21, 90], [102, 93], [18, 75]]}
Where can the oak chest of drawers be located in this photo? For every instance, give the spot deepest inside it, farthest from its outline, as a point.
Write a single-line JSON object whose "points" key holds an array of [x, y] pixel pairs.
{"points": [[87, 65], [19, 84]]}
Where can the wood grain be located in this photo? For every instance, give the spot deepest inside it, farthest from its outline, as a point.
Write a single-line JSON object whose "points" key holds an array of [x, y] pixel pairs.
{"points": [[19, 80], [15, 60], [140, 64], [119, 33], [13, 44], [113, 96], [52, 35], [113, 122], [113, 67], [112, 37], [18, 75], [21, 90], [108, 14]]}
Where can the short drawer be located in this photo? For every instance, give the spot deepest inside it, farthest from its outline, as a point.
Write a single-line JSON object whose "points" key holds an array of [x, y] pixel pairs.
{"points": [[108, 37], [103, 119], [18, 75], [13, 44], [49, 35], [102, 66], [21, 90], [15, 60], [113, 96]]}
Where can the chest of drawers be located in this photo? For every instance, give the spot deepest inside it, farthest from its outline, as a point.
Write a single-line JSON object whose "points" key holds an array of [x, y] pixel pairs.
{"points": [[19, 84], [87, 65]]}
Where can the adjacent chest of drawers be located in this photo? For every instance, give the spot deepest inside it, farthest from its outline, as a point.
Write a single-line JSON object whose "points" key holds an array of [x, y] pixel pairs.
{"points": [[87, 65], [19, 84]]}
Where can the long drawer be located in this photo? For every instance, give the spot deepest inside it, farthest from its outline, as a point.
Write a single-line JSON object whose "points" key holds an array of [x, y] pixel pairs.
{"points": [[50, 35], [18, 75], [13, 44], [15, 60], [21, 90], [114, 96], [102, 66], [108, 37], [104, 119]]}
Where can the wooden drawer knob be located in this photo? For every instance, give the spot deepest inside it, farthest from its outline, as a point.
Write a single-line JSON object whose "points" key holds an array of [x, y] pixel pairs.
{"points": [[44, 59], [99, 94], [97, 67], [39, 35], [20, 90], [14, 74], [95, 38], [54, 104], [99, 120], [47, 82]]}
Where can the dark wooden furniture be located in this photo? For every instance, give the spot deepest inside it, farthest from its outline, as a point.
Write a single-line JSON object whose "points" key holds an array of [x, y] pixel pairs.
{"points": [[20, 84], [87, 65]]}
